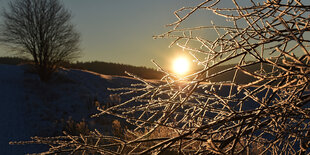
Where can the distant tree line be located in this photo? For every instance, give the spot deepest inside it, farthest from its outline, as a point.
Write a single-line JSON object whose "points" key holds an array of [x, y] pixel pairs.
{"points": [[117, 69], [98, 67], [109, 68], [13, 60]]}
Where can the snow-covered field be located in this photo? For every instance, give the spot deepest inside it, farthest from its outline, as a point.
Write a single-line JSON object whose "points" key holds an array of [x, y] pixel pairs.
{"points": [[30, 107]]}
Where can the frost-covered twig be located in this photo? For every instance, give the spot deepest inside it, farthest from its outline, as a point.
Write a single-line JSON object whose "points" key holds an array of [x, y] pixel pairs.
{"points": [[268, 114]]}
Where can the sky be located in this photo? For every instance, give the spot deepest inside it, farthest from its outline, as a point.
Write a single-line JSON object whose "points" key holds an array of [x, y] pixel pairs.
{"points": [[121, 31]]}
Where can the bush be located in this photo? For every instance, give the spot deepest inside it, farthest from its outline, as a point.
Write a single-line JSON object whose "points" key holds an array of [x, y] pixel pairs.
{"points": [[225, 117]]}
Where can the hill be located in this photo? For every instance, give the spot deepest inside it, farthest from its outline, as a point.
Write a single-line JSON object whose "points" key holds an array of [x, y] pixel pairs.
{"points": [[98, 67], [144, 72], [117, 69], [29, 107]]}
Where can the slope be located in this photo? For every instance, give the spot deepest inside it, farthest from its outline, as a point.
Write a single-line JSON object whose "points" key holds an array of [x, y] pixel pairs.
{"points": [[29, 107]]}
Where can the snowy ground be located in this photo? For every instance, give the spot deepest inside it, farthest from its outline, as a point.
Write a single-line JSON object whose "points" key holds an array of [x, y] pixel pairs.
{"points": [[30, 107]]}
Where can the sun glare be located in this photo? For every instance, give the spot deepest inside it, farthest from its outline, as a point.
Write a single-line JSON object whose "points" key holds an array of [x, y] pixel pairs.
{"points": [[181, 65]]}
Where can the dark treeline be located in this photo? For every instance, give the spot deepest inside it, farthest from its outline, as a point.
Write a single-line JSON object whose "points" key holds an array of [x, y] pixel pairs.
{"points": [[117, 69], [143, 72], [98, 67], [13, 60]]}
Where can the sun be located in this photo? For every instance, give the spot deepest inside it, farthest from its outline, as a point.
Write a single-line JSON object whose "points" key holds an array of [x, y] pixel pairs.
{"points": [[181, 65]]}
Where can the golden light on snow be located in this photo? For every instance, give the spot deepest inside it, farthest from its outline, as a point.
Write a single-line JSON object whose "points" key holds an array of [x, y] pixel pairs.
{"points": [[181, 65]]}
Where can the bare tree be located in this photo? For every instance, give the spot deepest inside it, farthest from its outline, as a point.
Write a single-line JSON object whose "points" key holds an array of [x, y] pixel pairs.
{"points": [[42, 30], [269, 115]]}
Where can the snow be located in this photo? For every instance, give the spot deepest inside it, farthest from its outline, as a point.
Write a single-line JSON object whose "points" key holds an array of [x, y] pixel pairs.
{"points": [[30, 107]]}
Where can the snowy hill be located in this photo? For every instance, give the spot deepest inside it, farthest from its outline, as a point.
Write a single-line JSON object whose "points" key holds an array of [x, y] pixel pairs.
{"points": [[30, 107]]}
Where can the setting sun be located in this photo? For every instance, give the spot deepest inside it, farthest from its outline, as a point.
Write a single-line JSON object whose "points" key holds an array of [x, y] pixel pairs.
{"points": [[181, 65]]}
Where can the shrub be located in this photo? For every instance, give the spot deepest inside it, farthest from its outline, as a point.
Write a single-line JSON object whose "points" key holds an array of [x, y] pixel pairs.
{"points": [[225, 117]]}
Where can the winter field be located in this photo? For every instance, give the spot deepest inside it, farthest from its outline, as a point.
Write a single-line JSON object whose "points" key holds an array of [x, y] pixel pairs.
{"points": [[30, 107]]}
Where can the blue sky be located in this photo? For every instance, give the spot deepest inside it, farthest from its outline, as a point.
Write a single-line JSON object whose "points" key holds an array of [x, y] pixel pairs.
{"points": [[121, 30]]}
